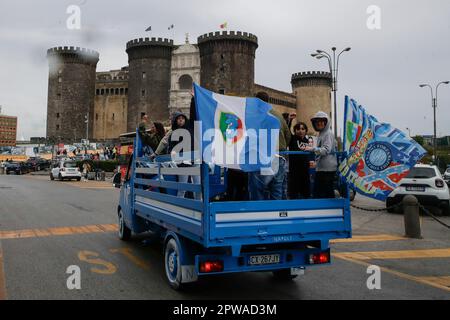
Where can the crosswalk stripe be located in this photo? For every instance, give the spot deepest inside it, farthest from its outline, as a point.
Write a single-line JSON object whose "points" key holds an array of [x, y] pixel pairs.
{"points": [[421, 280], [390, 255], [63, 231], [370, 238]]}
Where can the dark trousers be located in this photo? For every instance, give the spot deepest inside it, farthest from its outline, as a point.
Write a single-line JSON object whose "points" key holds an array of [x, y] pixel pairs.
{"points": [[237, 188], [324, 185]]}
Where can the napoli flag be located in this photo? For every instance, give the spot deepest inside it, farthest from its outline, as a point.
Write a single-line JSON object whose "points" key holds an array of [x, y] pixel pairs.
{"points": [[379, 156], [238, 133]]}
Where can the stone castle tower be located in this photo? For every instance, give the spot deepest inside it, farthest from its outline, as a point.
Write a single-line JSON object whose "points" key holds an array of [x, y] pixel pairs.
{"points": [[149, 79], [227, 61], [313, 92], [158, 82], [71, 91]]}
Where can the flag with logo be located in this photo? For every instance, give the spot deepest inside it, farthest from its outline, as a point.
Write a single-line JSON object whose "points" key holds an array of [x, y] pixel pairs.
{"points": [[379, 156], [237, 133], [224, 25]]}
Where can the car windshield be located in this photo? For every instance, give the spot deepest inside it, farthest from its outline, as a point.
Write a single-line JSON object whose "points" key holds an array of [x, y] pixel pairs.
{"points": [[421, 173], [70, 164]]}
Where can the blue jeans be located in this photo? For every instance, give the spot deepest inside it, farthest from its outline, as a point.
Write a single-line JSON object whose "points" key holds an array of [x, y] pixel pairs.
{"points": [[267, 187]]}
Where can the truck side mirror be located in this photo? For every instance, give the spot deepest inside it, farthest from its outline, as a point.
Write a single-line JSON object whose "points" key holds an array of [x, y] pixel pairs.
{"points": [[117, 180]]}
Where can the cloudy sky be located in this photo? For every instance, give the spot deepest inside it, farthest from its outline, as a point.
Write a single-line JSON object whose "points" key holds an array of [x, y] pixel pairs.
{"points": [[382, 71]]}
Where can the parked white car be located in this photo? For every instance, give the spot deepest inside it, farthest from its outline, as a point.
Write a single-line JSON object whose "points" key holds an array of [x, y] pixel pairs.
{"points": [[447, 176], [426, 183], [65, 170]]}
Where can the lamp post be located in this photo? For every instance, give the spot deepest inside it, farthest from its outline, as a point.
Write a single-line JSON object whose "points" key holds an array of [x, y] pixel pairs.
{"points": [[333, 64], [409, 130], [434, 106]]}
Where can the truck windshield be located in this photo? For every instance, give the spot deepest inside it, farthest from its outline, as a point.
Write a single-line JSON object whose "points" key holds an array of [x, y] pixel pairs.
{"points": [[421, 173]]}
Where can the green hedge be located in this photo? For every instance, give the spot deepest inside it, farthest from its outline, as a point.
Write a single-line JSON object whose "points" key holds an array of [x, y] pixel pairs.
{"points": [[107, 166]]}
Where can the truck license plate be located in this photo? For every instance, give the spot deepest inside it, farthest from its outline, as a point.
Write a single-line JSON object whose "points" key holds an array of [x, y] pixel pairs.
{"points": [[264, 260]]}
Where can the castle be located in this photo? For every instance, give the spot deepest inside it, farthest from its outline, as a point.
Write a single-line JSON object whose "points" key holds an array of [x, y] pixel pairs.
{"points": [[158, 81]]}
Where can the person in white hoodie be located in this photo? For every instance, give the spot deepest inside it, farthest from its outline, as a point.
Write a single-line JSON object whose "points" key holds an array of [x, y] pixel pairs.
{"points": [[326, 160]]}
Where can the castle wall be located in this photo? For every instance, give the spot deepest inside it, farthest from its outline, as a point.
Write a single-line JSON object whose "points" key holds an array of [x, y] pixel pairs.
{"points": [[111, 105], [283, 102]]}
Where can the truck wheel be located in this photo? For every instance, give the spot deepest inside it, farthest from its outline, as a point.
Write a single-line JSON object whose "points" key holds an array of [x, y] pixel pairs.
{"points": [[172, 264], [283, 275], [124, 231], [52, 177], [60, 178]]}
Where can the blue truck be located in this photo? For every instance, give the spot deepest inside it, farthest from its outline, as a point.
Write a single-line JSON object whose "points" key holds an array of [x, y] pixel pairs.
{"points": [[203, 235]]}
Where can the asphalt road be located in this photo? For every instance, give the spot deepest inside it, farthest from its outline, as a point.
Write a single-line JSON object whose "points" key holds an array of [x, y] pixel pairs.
{"points": [[45, 227]]}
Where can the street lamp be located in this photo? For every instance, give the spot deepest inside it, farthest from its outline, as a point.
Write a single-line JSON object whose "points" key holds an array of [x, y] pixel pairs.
{"points": [[333, 64], [409, 130], [434, 106]]}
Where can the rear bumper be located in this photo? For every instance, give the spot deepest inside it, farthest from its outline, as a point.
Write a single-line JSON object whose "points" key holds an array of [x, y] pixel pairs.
{"points": [[71, 175], [288, 259]]}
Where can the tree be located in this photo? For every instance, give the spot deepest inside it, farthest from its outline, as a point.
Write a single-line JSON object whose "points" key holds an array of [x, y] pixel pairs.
{"points": [[419, 140]]}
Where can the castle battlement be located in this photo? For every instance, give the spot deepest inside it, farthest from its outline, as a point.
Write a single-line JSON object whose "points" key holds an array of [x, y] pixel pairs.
{"points": [[227, 35], [150, 42], [311, 75], [73, 50]]}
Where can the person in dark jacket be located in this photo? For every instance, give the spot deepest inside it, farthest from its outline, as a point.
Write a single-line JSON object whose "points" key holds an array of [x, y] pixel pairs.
{"points": [[299, 179], [166, 145]]}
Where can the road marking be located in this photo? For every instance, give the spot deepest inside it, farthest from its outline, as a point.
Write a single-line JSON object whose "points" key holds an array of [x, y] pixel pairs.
{"points": [[370, 238], [2, 276], [389, 255], [52, 232], [127, 252], [93, 258], [443, 281], [427, 281]]}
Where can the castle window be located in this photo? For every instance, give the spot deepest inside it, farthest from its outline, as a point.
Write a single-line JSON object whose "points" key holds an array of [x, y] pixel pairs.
{"points": [[97, 92], [126, 90], [107, 91], [57, 127], [185, 82], [144, 75], [121, 91], [113, 116], [143, 93], [96, 116], [102, 92], [117, 91], [59, 79], [57, 115]]}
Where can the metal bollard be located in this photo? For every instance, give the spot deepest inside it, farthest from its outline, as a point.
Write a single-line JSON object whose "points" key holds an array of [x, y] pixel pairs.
{"points": [[412, 217]]}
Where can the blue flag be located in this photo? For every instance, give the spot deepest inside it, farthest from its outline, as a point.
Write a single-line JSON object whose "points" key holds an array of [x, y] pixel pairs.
{"points": [[379, 155], [238, 133]]}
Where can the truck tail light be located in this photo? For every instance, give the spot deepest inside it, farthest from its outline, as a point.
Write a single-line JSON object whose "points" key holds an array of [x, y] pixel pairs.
{"points": [[319, 258], [440, 183], [211, 266]]}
